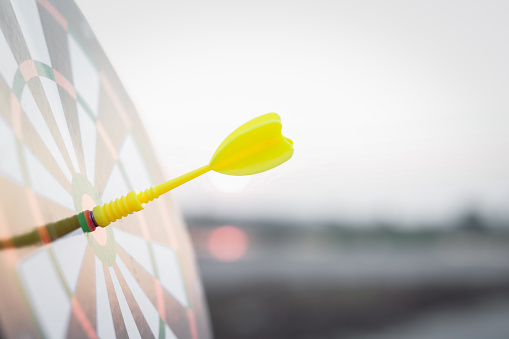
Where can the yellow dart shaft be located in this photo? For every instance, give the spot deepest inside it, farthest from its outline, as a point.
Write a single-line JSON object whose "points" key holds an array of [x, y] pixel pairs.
{"points": [[133, 201], [171, 184]]}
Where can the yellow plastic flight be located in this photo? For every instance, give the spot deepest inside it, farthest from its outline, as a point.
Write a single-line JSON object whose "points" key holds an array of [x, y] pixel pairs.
{"points": [[256, 146]]}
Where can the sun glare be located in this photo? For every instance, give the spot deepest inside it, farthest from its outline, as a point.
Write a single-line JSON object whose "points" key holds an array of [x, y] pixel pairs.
{"points": [[227, 183]]}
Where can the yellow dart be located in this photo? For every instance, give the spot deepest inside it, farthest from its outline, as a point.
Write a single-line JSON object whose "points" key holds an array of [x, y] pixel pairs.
{"points": [[256, 146]]}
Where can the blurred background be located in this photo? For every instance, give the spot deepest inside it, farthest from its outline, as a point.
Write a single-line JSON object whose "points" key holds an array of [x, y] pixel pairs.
{"points": [[392, 218]]}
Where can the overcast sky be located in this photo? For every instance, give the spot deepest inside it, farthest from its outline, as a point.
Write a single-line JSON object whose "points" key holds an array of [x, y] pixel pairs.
{"points": [[399, 110]]}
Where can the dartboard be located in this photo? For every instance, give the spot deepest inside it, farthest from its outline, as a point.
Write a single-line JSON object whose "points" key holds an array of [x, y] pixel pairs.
{"points": [[70, 139]]}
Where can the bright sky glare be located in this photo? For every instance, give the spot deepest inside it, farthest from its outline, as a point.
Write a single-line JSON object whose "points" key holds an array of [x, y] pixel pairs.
{"points": [[399, 110]]}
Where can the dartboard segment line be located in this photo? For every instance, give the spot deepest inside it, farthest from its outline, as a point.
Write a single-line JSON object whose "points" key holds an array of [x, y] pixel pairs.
{"points": [[18, 84], [186, 280], [10, 162], [79, 325], [110, 146], [65, 84], [104, 314], [158, 288], [192, 323], [37, 124], [169, 226], [137, 247], [184, 253], [150, 313], [54, 99], [133, 164], [141, 136], [42, 182], [17, 223], [168, 333], [81, 317], [118, 319], [146, 235], [85, 295], [117, 103], [8, 66], [27, 14], [29, 70], [71, 111], [161, 307], [59, 18], [85, 74], [31, 110], [176, 316], [5, 235], [183, 325], [16, 116], [43, 70], [116, 184], [69, 254], [16, 297], [28, 305], [12, 32], [59, 272], [170, 272], [32, 140], [78, 38], [30, 196], [86, 108], [88, 135], [111, 135], [106, 155], [45, 291], [135, 308], [127, 316], [56, 39], [124, 174], [68, 277], [51, 111], [5, 100]]}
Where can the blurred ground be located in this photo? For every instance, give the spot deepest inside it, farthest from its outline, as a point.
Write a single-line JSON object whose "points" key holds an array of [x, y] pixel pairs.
{"points": [[334, 281]]}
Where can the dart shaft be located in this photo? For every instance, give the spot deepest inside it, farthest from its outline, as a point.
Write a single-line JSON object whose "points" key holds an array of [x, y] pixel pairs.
{"points": [[173, 183], [105, 214]]}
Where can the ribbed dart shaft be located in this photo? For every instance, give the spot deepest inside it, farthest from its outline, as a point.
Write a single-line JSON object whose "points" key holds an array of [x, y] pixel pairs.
{"points": [[132, 202]]}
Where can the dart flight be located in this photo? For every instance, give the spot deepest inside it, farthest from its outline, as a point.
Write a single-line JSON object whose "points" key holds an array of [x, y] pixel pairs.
{"points": [[256, 146]]}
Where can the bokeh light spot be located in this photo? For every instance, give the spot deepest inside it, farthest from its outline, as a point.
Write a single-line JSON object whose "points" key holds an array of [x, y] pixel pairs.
{"points": [[228, 243]]}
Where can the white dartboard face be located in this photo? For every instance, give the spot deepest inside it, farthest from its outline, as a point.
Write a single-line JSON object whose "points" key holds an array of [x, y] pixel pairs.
{"points": [[70, 138]]}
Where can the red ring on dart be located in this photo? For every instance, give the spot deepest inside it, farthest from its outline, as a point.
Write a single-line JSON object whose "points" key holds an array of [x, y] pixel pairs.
{"points": [[90, 223]]}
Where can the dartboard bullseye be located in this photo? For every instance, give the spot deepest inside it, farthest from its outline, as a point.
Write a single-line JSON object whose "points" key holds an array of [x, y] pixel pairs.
{"points": [[71, 139]]}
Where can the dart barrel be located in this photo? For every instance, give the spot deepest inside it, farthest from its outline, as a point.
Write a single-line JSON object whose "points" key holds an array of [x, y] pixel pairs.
{"points": [[43, 234], [107, 213]]}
